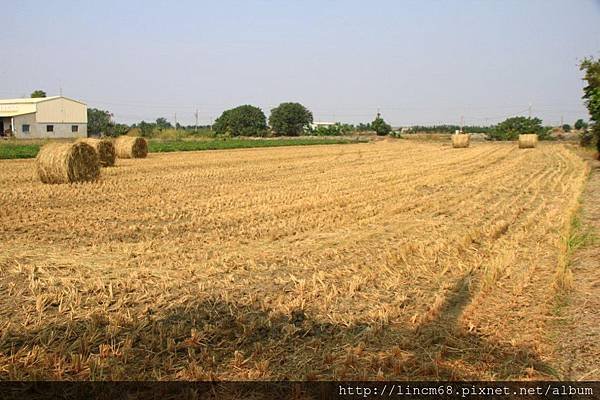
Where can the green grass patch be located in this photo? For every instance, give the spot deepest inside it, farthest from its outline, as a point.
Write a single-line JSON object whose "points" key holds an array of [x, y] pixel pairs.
{"points": [[12, 150], [16, 150], [579, 237], [220, 144]]}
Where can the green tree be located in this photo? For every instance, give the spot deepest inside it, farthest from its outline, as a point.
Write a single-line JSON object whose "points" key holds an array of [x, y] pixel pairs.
{"points": [[511, 128], [146, 128], [591, 95], [290, 119], [119, 129], [244, 120], [566, 128], [337, 129], [364, 127], [380, 127], [38, 93], [580, 124], [99, 122], [162, 124]]}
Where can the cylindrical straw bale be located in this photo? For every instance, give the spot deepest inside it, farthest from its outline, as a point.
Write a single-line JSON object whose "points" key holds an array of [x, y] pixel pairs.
{"points": [[528, 141], [105, 149], [131, 147], [67, 163], [460, 140]]}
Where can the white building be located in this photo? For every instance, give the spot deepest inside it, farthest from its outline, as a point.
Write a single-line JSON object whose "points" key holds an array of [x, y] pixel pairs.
{"points": [[316, 125], [44, 117]]}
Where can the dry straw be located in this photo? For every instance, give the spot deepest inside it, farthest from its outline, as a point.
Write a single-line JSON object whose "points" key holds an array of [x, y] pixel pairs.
{"points": [[528, 141], [460, 140], [105, 149], [67, 163], [131, 147]]}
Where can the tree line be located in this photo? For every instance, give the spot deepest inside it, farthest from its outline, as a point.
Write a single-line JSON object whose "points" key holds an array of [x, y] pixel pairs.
{"points": [[294, 119], [287, 119]]}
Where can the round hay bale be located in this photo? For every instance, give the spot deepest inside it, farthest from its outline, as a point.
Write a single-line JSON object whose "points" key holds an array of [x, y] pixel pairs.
{"points": [[67, 163], [528, 141], [478, 136], [131, 147], [134, 132], [460, 140], [105, 149]]}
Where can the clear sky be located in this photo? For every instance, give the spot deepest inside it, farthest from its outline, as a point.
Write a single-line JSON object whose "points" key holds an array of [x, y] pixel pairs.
{"points": [[420, 62]]}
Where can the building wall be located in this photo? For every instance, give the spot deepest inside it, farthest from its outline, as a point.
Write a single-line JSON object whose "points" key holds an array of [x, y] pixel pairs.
{"points": [[61, 110], [38, 130]]}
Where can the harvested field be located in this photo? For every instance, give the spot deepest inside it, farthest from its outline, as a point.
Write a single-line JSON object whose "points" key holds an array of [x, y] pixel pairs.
{"points": [[391, 260]]}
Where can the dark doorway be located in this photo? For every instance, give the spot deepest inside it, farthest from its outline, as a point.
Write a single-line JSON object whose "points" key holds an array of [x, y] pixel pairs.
{"points": [[1, 127]]}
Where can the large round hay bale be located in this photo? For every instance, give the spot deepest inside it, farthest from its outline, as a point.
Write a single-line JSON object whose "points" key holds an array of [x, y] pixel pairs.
{"points": [[131, 147], [105, 149], [460, 140], [67, 163], [528, 141]]}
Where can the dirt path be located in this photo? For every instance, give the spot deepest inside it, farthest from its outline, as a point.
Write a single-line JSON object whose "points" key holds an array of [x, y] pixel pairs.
{"points": [[580, 337]]}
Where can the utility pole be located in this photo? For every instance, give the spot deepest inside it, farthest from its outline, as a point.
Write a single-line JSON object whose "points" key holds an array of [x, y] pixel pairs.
{"points": [[561, 121], [196, 115], [529, 109], [462, 122], [175, 120]]}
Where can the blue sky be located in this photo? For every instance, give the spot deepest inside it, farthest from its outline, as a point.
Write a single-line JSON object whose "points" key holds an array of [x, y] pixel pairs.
{"points": [[419, 62]]}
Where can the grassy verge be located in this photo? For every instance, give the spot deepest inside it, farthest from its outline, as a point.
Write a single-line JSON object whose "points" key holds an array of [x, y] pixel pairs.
{"points": [[16, 150], [193, 145], [12, 150]]}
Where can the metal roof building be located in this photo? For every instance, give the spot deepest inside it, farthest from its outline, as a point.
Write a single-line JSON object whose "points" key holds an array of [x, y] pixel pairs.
{"points": [[44, 117]]}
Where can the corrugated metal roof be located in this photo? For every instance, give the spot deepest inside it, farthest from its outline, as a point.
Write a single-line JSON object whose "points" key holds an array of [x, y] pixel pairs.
{"points": [[36, 100], [14, 114], [27, 100], [13, 107]]}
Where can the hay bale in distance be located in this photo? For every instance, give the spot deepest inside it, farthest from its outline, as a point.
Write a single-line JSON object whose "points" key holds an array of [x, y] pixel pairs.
{"points": [[67, 163], [528, 141], [131, 147], [105, 149], [134, 132], [460, 140]]}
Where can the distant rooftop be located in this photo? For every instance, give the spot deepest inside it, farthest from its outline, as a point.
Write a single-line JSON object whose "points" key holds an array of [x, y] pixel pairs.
{"points": [[27, 100], [34, 100]]}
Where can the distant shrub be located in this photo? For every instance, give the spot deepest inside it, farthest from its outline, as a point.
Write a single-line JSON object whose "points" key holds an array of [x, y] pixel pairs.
{"points": [[363, 127], [566, 128], [244, 120], [337, 129], [170, 134], [146, 128], [118, 130]]}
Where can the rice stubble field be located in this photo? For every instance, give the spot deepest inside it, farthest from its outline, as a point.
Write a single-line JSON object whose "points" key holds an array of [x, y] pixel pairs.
{"points": [[389, 260]]}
